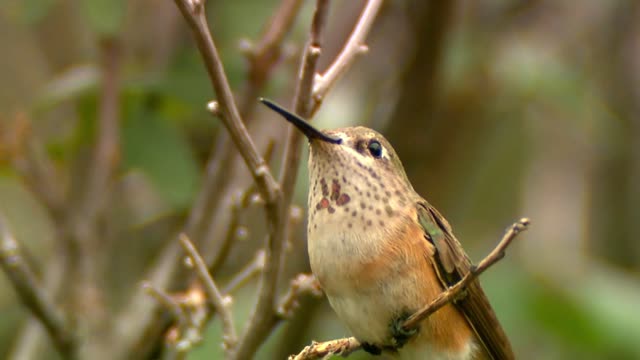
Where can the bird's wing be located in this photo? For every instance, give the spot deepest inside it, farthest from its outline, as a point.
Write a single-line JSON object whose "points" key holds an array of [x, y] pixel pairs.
{"points": [[451, 263]]}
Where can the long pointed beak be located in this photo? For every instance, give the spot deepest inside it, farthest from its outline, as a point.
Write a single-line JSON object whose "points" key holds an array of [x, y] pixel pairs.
{"points": [[307, 129]]}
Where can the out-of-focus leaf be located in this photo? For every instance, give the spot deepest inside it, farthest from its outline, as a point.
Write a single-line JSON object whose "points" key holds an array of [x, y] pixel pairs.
{"points": [[105, 16], [187, 81], [559, 314], [68, 85], [156, 147], [611, 298], [27, 11]]}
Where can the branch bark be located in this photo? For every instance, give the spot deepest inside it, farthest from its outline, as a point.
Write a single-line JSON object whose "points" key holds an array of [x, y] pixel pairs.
{"points": [[265, 316], [32, 295]]}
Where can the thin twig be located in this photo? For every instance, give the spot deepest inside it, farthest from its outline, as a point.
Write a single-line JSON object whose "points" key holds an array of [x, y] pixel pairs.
{"points": [[224, 243], [31, 337], [32, 162], [168, 302], [32, 293], [451, 293], [321, 350], [252, 269], [219, 302], [354, 46]]}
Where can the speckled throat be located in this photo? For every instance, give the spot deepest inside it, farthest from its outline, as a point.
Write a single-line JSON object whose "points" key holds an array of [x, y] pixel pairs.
{"points": [[354, 201]]}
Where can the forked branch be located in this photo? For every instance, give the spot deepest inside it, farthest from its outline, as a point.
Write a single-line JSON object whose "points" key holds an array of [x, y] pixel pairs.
{"points": [[354, 46]]}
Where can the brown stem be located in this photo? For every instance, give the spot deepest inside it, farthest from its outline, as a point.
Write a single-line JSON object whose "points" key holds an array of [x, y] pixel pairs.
{"points": [[265, 317], [32, 294], [266, 53]]}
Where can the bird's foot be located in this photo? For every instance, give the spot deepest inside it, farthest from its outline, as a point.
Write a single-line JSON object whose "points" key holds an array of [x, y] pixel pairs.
{"points": [[400, 335], [371, 349]]}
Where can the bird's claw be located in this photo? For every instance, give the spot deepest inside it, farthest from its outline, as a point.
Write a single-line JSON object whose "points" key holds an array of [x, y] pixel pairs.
{"points": [[400, 335], [371, 349]]}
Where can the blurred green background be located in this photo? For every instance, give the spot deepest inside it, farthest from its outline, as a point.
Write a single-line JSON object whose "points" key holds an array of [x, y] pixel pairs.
{"points": [[498, 108]]}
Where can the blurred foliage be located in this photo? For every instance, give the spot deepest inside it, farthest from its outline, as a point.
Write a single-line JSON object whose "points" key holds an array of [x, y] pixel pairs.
{"points": [[524, 120]]}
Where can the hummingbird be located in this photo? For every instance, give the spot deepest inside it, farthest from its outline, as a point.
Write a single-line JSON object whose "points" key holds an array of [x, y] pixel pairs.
{"points": [[381, 252]]}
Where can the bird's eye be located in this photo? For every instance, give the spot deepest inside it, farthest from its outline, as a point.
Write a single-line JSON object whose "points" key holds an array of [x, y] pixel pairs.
{"points": [[375, 148]]}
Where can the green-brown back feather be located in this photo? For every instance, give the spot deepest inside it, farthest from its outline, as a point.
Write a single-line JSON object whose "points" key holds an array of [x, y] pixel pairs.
{"points": [[451, 263]]}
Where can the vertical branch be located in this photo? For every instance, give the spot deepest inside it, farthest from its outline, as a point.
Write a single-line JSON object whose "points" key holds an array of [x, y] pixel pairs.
{"points": [[84, 236], [413, 113], [266, 53], [210, 202], [105, 155], [302, 103], [265, 315]]}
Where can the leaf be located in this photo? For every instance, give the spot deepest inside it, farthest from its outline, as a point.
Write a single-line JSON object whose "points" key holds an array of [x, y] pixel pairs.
{"points": [[156, 147], [105, 17]]}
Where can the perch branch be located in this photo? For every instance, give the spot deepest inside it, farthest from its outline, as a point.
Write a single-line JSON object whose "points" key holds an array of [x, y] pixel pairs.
{"points": [[451, 293], [32, 294], [320, 350]]}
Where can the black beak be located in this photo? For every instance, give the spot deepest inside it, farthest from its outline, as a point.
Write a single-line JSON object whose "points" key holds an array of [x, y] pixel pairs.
{"points": [[309, 131]]}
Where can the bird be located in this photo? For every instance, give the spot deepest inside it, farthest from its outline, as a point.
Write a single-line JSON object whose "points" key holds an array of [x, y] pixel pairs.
{"points": [[381, 252]]}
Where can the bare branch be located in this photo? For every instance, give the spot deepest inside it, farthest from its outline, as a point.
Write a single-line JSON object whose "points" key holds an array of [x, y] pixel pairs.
{"points": [[105, 156], [220, 303], [266, 53], [451, 293], [354, 46], [264, 317], [304, 88], [279, 25], [321, 350], [193, 12], [30, 338], [32, 295]]}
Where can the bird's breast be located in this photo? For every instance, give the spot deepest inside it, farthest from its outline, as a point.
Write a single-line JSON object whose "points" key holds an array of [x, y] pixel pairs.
{"points": [[373, 277]]}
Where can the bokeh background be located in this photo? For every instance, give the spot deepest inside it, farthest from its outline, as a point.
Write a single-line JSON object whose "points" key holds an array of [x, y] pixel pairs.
{"points": [[498, 108]]}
